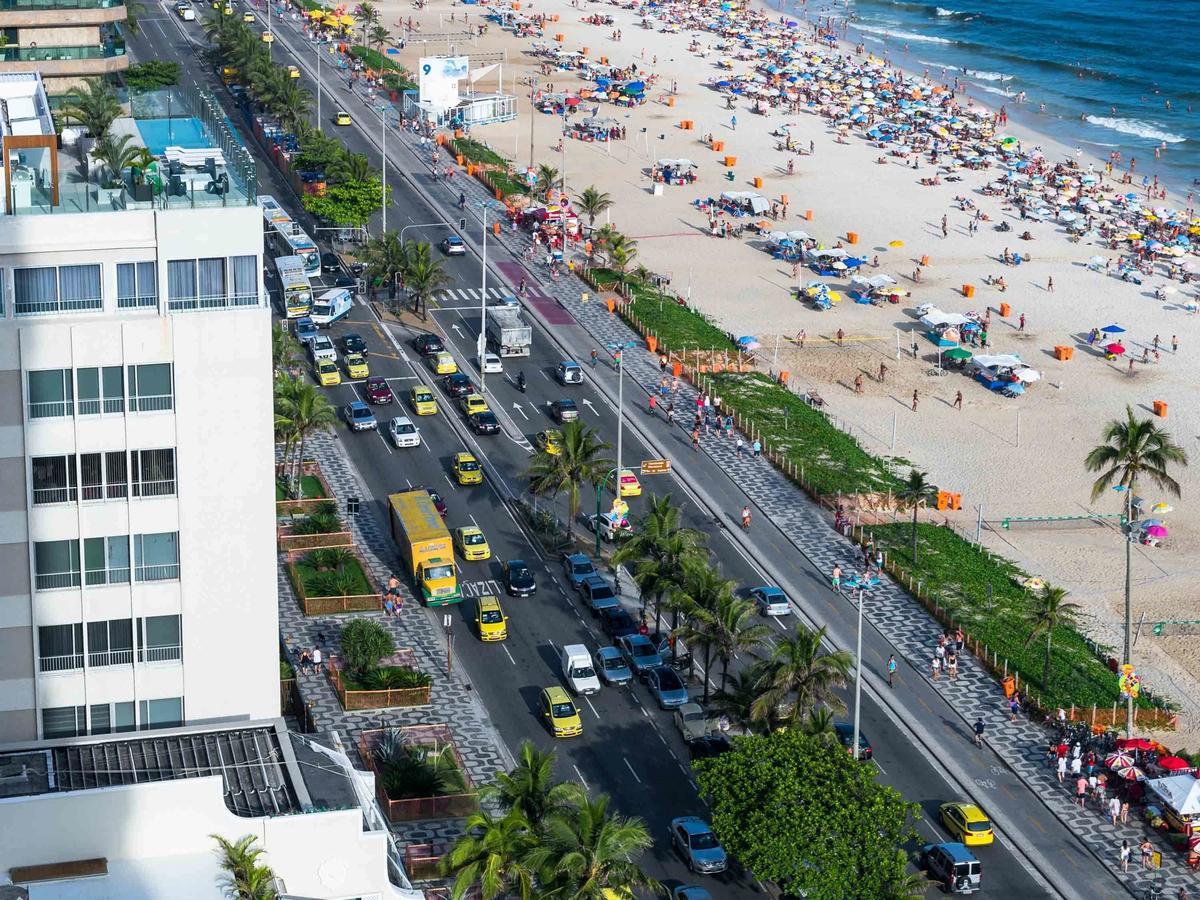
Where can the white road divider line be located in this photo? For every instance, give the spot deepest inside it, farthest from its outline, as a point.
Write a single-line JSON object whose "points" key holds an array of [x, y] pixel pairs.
{"points": [[633, 773]]}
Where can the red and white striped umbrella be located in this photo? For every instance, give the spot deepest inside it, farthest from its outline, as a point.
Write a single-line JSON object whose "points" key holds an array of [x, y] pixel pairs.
{"points": [[1119, 760], [1132, 773]]}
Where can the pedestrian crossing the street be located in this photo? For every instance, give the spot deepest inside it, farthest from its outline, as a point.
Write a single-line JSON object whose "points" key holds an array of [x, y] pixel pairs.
{"points": [[460, 296]]}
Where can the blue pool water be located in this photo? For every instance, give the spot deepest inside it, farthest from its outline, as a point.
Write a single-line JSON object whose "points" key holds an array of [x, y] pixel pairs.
{"points": [[186, 132]]}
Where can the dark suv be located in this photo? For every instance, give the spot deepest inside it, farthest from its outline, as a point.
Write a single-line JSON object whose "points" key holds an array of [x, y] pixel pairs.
{"points": [[953, 866]]}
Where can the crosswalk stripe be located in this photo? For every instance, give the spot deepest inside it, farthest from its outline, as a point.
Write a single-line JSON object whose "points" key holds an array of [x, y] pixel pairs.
{"points": [[465, 296]]}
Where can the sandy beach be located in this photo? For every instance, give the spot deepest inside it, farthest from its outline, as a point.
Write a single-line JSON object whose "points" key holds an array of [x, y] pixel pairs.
{"points": [[1019, 457]]}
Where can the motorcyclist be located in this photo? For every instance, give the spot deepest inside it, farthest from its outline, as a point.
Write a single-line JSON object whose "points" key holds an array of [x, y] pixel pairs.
{"points": [[521, 382], [746, 517]]}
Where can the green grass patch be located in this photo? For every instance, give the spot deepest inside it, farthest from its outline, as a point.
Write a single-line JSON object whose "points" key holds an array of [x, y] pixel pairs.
{"points": [[679, 327], [373, 59], [357, 583], [605, 278], [310, 489], [387, 678], [474, 151], [833, 461], [394, 81], [508, 185], [978, 591]]}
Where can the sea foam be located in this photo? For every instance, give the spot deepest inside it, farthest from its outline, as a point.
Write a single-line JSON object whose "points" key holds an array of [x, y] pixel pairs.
{"points": [[1137, 128], [903, 35]]}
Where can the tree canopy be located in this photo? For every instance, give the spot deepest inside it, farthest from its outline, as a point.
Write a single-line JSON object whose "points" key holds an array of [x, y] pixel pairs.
{"points": [[807, 816]]}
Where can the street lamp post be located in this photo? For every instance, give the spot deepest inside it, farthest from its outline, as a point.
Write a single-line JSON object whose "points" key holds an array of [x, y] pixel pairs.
{"points": [[533, 83], [858, 671], [1127, 656], [423, 225], [599, 498], [383, 170], [320, 127], [484, 206]]}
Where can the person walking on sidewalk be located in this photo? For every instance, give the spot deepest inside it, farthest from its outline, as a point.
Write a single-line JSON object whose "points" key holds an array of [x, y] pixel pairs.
{"points": [[835, 578], [1114, 810], [1147, 851], [891, 669], [595, 355], [1013, 708], [1062, 769], [1125, 852], [1081, 791]]}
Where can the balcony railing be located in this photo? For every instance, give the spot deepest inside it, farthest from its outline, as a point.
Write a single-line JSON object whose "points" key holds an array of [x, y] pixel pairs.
{"points": [[51, 409], [164, 488], [158, 573], [42, 307], [222, 301], [167, 653], [96, 406], [60, 663], [111, 658], [113, 490], [107, 576], [56, 581], [40, 5], [53, 495], [151, 403], [135, 302], [108, 50]]}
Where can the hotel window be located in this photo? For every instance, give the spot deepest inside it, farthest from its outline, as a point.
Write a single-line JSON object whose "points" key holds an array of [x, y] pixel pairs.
{"points": [[47, 289], [137, 285], [51, 394], [244, 270], [64, 722], [181, 284], [153, 472], [100, 390], [110, 643], [164, 713], [158, 639], [56, 565], [156, 556], [150, 388], [104, 476], [54, 479], [60, 647], [107, 718], [106, 560]]}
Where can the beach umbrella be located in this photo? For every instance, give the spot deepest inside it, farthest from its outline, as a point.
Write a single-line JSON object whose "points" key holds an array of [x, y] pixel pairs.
{"points": [[1115, 349], [1161, 508], [1173, 763], [1139, 743], [1118, 760], [1158, 531], [895, 243], [1146, 523], [958, 353], [747, 339], [1114, 328], [1131, 773]]}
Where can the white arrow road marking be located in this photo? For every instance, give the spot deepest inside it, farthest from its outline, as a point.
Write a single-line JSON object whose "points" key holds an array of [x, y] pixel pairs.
{"points": [[519, 408], [588, 404], [456, 330]]}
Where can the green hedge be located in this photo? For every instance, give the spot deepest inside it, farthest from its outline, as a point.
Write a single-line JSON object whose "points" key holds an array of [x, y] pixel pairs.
{"points": [[833, 462], [473, 151], [677, 327], [373, 59]]}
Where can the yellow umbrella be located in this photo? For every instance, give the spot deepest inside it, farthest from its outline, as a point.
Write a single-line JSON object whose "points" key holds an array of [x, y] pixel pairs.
{"points": [[1134, 236], [316, 13], [835, 297], [895, 243], [347, 20]]}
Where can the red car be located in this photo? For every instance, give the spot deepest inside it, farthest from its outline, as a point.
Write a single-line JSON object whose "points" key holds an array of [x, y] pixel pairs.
{"points": [[378, 390]]}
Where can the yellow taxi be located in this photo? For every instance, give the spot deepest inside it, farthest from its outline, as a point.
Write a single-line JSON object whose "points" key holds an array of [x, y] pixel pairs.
{"points": [[247, 17], [356, 365], [560, 712], [422, 401], [467, 469], [442, 363], [471, 543], [549, 441], [327, 373], [490, 619], [630, 486], [966, 823], [342, 118], [293, 72], [267, 37], [472, 403]]}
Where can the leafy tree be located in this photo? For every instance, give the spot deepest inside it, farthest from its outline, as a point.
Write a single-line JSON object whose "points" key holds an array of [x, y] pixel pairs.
{"points": [[285, 349], [244, 877], [734, 631], [317, 149], [346, 203], [133, 13], [152, 75], [578, 462], [353, 167], [529, 788], [386, 259], [916, 490], [702, 592], [488, 858], [547, 175], [807, 816], [586, 851], [1051, 610], [364, 643], [93, 105], [423, 276], [801, 674], [592, 202]]}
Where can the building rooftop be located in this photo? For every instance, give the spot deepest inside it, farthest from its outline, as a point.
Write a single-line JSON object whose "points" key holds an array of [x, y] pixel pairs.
{"points": [[24, 108]]}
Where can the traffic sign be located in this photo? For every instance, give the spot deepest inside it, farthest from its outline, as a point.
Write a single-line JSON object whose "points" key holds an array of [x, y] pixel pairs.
{"points": [[656, 466]]}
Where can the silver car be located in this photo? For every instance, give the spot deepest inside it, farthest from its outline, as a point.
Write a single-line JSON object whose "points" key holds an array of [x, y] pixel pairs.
{"points": [[404, 433], [699, 847]]}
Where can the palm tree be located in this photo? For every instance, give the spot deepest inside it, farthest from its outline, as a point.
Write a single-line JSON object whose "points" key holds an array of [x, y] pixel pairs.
{"points": [[369, 16], [352, 167], [529, 789], [819, 725], [489, 857], [802, 674], [621, 251], [1133, 449], [133, 12], [423, 276], [641, 275], [291, 103], [586, 851], [378, 35], [701, 594], [734, 631], [658, 549], [245, 878], [302, 411], [916, 490], [577, 462], [1050, 610], [735, 698], [593, 201], [118, 153], [547, 175], [909, 886], [385, 259], [93, 105], [285, 349]]}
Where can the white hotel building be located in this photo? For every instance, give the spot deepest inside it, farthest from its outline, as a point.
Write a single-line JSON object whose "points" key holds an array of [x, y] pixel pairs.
{"points": [[137, 558]]}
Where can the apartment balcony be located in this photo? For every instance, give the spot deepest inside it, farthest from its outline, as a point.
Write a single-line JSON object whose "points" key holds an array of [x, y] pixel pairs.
{"points": [[49, 13], [60, 62]]}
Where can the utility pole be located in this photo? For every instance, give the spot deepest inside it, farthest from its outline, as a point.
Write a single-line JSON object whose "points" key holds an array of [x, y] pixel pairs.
{"points": [[858, 671], [320, 127], [448, 624], [483, 303]]}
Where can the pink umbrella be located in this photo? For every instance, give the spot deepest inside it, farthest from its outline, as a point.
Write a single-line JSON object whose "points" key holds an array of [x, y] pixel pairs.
{"points": [[1139, 743], [1119, 760], [1174, 763], [1131, 773], [1156, 530], [1115, 349]]}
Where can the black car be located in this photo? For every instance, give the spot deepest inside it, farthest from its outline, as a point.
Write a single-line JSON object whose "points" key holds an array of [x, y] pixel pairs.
{"points": [[438, 503], [485, 423], [708, 746], [845, 734], [330, 262], [352, 342], [428, 344], [344, 279], [564, 411], [518, 580], [458, 385], [617, 622]]}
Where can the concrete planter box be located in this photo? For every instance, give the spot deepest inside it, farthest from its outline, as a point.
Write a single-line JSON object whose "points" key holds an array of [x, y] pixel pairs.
{"points": [[415, 809], [322, 606], [353, 700]]}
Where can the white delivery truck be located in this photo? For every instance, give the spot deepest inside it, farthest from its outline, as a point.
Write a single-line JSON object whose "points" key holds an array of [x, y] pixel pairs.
{"points": [[507, 333], [331, 306], [578, 669]]}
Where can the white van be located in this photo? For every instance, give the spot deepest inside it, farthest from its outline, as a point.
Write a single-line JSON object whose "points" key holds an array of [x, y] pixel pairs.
{"points": [[578, 670], [331, 306]]}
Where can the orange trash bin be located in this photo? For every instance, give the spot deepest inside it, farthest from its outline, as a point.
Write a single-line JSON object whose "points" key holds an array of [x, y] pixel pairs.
{"points": [[730, 161], [851, 237], [758, 182], [1005, 310], [808, 215], [1160, 408], [968, 290], [676, 369], [925, 260]]}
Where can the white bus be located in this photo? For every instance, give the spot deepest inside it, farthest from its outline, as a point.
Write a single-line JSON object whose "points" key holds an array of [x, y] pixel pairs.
{"points": [[286, 237], [295, 293]]}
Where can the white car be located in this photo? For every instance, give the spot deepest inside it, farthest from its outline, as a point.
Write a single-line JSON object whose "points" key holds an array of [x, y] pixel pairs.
{"points": [[321, 347], [490, 364], [770, 601], [185, 12], [404, 433]]}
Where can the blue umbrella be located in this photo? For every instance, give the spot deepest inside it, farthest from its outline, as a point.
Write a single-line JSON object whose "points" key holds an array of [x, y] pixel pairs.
{"points": [[1113, 329], [747, 339]]}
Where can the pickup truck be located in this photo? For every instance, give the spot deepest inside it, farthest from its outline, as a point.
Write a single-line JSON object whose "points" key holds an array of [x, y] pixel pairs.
{"points": [[597, 593]]}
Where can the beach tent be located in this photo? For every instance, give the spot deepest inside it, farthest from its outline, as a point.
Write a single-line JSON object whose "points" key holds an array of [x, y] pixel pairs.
{"points": [[1003, 361], [756, 203], [937, 319], [1180, 792]]}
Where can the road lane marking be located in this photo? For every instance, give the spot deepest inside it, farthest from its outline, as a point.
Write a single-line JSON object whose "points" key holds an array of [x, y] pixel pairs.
{"points": [[581, 778], [878, 766], [589, 703], [509, 655], [1037, 824], [630, 767]]}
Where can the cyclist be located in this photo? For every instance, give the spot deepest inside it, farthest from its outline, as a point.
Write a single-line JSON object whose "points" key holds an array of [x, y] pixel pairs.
{"points": [[746, 517], [653, 404], [462, 200], [978, 729]]}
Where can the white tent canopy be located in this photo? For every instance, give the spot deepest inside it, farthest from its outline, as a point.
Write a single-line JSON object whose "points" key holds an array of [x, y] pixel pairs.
{"points": [[1005, 361], [876, 282], [757, 202], [677, 163], [938, 319], [1180, 792]]}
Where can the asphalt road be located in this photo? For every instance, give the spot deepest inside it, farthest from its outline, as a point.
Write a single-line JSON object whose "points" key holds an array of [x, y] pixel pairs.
{"points": [[629, 749]]}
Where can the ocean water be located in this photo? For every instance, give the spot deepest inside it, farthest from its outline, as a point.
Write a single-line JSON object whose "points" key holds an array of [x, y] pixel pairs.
{"points": [[1113, 74]]}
